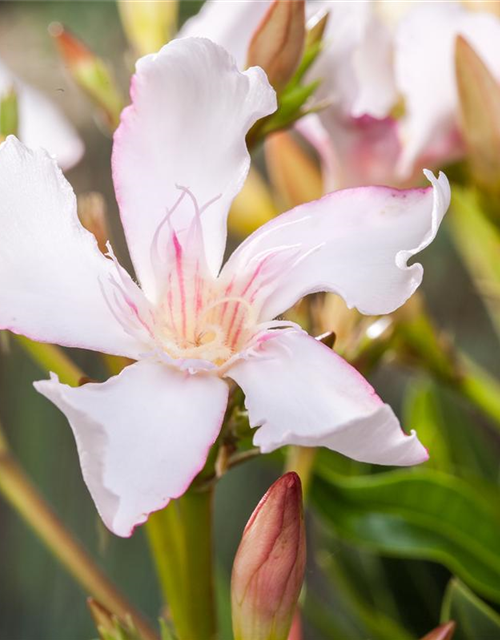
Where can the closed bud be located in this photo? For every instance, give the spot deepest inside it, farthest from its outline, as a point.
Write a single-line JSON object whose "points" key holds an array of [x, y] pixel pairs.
{"points": [[268, 570], [479, 98], [443, 632], [294, 175], [278, 43], [109, 626], [90, 73], [92, 214], [148, 24]]}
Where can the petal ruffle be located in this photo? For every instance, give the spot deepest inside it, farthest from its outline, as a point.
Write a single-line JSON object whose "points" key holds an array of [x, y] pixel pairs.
{"points": [[298, 391], [52, 275], [142, 436], [355, 243], [191, 110], [41, 124]]}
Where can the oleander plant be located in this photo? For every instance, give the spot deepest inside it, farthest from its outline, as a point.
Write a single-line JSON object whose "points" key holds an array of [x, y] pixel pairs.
{"points": [[233, 406]]}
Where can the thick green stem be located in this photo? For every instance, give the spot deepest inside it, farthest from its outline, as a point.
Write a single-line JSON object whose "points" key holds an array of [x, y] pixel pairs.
{"points": [[182, 547], [20, 492]]}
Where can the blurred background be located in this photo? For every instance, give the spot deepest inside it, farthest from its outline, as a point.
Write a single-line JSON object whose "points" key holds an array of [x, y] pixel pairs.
{"points": [[38, 600]]}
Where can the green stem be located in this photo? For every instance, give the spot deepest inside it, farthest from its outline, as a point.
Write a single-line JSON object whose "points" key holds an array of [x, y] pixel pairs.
{"points": [[428, 349], [52, 358], [20, 492], [182, 546], [301, 460]]}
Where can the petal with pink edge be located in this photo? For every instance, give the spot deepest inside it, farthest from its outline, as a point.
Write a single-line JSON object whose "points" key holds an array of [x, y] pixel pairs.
{"points": [[52, 274], [355, 242], [142, 436], [41, 123], [191, 110], [228, 23], [424, 61], [298, 391]]}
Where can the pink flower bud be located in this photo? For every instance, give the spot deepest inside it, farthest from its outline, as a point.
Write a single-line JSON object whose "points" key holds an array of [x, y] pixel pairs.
{"points": [[268, 570], [443, 632], [278, 43]]}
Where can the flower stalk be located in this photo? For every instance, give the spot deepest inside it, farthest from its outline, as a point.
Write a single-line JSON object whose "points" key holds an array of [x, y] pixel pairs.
{"points": [[181, 542]]}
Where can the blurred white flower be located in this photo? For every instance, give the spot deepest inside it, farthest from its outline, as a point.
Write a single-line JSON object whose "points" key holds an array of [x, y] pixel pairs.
{"points": [[41, 124]]}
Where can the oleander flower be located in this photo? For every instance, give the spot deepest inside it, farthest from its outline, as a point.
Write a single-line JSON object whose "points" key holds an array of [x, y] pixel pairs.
{"points": [[41, 123], [179, 159], [389, 81]]}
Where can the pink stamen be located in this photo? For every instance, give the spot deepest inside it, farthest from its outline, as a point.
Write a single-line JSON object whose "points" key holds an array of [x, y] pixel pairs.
{"points": [[180, 278]]}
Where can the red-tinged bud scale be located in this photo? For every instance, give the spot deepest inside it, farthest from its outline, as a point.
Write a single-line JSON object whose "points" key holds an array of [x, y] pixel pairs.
{"points": [[268, 570]]}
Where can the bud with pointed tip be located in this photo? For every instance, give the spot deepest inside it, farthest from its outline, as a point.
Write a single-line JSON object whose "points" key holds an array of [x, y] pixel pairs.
{"points": [[443, 632], [278, 43], [92, 214], [108, 625], [479, 99], [89, 72], [148, 24], [268, 570]]}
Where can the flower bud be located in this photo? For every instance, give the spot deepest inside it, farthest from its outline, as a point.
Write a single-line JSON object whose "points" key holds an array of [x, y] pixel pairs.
{"points": [[148, 24], [90, 73], [92, 214], [268, 570], [443, 632], [479, 99], [294, 175], [278, 43]]}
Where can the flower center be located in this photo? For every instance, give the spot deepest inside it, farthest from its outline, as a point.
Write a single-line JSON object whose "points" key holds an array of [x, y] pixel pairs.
{"points": [[198, 320]]}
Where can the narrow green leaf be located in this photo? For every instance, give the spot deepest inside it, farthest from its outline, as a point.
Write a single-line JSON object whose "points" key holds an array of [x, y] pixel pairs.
{"points": [[478, 242], [418, 514], [475, 619]]}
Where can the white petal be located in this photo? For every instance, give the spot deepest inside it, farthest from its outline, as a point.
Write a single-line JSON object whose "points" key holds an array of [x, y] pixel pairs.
{"points": [[355, 243], [230, 23], [142, 436], [41, 124], [354, 67], [300, 392], [425, 72], [51, 272], [353, 151], [373, 65], [191, 109]]}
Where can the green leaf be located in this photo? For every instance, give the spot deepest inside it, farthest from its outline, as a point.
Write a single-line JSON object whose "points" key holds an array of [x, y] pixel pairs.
{"points": [[446, 427], [418, 514], [478, 242], [475, 619], [423, 412]]}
